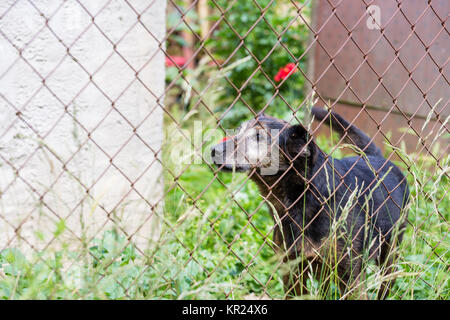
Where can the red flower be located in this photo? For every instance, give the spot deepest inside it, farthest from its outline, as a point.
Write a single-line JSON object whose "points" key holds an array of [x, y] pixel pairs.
{"points": [[285, 72], [176, 60], [224, 139]]}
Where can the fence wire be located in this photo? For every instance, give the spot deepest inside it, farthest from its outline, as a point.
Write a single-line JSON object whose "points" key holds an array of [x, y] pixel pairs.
{"points": [[100, 198]]}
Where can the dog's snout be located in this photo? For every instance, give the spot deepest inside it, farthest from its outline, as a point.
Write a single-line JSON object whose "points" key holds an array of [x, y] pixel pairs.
{"points": [[217, 153]]}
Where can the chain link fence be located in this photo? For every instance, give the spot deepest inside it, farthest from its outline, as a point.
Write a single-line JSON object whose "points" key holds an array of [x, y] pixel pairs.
{"points": [[120, 157]]}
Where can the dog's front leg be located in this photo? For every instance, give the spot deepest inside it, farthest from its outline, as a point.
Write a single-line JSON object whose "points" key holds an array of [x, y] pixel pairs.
{"points": [[295, 283], [294, 280]]}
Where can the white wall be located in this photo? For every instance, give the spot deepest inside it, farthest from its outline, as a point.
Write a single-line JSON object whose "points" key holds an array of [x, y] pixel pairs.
{"points": [[44, 136]]}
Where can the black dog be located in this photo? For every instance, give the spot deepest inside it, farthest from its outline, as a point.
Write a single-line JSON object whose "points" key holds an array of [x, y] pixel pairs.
{"points": [[333, 214]]}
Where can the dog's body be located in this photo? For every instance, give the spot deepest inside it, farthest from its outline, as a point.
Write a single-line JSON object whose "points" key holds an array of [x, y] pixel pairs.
{"points": [[335, 214]]}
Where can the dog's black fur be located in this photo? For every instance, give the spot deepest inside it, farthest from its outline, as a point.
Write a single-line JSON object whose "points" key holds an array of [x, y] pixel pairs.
{"points": [[310, 195]]}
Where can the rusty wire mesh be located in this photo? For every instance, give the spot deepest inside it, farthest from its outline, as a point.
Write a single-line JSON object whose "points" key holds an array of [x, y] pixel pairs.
{"points": [[174, 230]]}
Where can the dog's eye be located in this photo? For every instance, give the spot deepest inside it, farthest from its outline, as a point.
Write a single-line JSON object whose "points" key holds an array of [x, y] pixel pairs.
{"points": [[258, 136]]}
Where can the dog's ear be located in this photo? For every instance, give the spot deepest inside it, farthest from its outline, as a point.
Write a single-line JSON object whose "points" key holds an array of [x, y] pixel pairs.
{"points": [[298, 144], [261, 114]]}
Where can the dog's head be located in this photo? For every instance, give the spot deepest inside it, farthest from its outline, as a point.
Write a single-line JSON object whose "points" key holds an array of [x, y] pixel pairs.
{"points": [[265, 143]]}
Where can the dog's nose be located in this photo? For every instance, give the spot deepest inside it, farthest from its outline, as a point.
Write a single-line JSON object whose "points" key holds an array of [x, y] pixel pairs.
{"points": [[217, 153]]}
